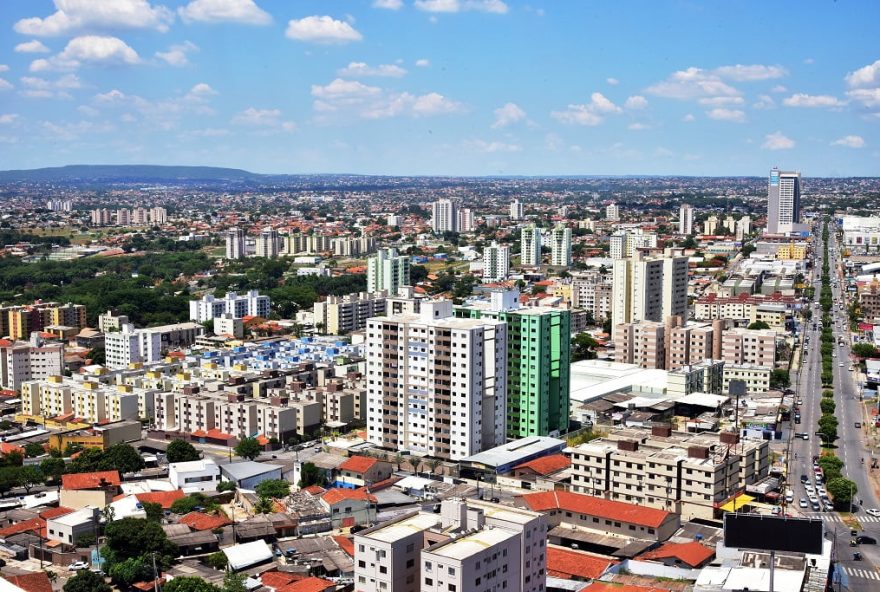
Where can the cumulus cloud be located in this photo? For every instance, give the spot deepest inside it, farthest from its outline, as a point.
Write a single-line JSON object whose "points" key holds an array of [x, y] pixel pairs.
{"points": [[264, 118], [177, 54], [361, 69], [689, 118], [715, 101], [722, 114], [612, 81], [865, 76], [89, 50], [805, 100], [245, 12], [452, 6], [34, 46], [340, 88], [635, 102], [868, 97], [4, 68], [322, 29], [353, 98], [764, 102], [638, 126], [691, 84], [8, 118], [741, 73], [777, 141], [39, 88], [508, 114], [850, 142], [388, 4], [491, 147], [163, 114], [72, 16], [5, 84], [589, 114], [423, 63]]}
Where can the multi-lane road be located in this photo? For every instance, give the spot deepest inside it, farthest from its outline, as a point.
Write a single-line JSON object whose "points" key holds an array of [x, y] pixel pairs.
{"points": [[860, 575]]}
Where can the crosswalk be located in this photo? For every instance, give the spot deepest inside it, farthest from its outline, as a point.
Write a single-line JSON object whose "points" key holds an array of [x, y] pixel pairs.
{"points": [[834, 517], [865, 574]]}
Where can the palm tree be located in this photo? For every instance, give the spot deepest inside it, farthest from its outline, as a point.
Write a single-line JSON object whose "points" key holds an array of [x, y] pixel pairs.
{"points": [[398, 460], [433, 463]]}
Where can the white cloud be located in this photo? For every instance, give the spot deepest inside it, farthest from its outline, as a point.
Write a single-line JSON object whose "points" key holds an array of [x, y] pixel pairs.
{"points": [[8, 118], [264, 118], [637, 126], [805, 100], [508, 114], [423, 63], [716, 101], [868, 97], [34, 46], [764, 102], [370, 102], [210, 132], [163, 114], [88, 111], [360, 69], [340, 88], [691, 84], [4, 68], [451, 6], [322, 29], [484, 146], [72, 16], [865, 76], [612, 81], [689, 118], [177, 54], [589, 114], [779, 88], [741, 73], [777, 141], [388, 4], [722, 114], [434, 104], [245, 12], [850, 142], [200, 91], [635, 102], [809, 61], [5, 84], [89, 50]]}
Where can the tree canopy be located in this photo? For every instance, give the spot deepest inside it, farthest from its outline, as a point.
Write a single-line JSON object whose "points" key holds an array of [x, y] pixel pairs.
{"points": [[181, 451], [86, 581], [248, 448], [273, 488]]}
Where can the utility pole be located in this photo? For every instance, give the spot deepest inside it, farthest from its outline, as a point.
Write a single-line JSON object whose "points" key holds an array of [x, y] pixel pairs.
{"points": [[155, 573]]}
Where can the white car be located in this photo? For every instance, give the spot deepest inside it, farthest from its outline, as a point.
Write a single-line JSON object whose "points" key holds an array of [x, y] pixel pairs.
{"points": [[809, 489], [803, 503], [873, 512], [821, 491], [77, 565]]}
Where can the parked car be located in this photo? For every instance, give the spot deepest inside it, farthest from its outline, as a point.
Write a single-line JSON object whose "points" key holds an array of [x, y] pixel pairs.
{"points": [[77, 565]]}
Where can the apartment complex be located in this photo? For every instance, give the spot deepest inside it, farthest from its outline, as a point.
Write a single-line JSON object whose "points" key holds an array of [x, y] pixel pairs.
{"points": [[250, 304], [141, 346], [496, 263], [594, 295], [444, 216], [538, 362], [21, 361], [470, 545], [235, 244], [560, 246], [87, 400], [649, 288], [387, 271], [688, 474], [268, 244], [18, 322], [516, 210], [783, 201], [612, 212], [436, 384], [624, 243], [685, 219], [530, 246], [668, 345], [344, 314], [754, 347]]}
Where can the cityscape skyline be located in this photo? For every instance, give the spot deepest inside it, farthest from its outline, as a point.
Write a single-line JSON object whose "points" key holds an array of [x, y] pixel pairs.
{"points": [[378, 88]]}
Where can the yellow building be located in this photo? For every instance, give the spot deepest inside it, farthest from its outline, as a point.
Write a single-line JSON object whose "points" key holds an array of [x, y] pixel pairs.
{"points": [[792, 251]]}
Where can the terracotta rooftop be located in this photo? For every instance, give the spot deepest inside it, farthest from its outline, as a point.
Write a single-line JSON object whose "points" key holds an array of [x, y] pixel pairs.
{"points": [[546, 465], [358, 464], [595, 506], [570, 564], [202, 521], [692, 553], [31, 582], [338, 494], [90, 480], [311, 584], [346, 544], [163, 498]]}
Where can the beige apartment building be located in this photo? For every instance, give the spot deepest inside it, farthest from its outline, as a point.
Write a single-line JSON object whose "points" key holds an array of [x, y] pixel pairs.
{"points": [[688, 474], [757, 378], [755, 347], [88, 401], [344, 314], [668, 345]]}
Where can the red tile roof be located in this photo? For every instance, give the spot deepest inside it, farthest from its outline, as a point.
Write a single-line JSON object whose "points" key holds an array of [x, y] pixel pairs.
{"points": [[312, 584], [615, 587], [546, 465], [90, 480], [25, 526], [314, 490], [163, 498], [569, 564], [202, 521], [692, 553], [358, 464], [339, 494], [6, 448], [595, 506], [55, 512], [31, 582], [346, 544], [277, 579]]}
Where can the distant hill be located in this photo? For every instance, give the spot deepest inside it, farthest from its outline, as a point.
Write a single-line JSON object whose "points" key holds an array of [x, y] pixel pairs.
{"points": [[129, 173]]}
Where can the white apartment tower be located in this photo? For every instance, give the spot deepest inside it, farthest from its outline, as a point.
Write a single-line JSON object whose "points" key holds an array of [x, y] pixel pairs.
{"points": [[130, 346], [612, 212], [648, 288], [685, 219], [387, 271], [444, 216], [516, 210], [496, 263], [250, 304], [235, 244], [560, 245], [436, 384], [465, 220], [268, 244], [783, 201], [530, 246], [158, 215], [624, 243]]}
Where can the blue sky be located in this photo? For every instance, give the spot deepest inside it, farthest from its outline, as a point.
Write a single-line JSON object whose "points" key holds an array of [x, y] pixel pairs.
{"points": [[454, 87]]}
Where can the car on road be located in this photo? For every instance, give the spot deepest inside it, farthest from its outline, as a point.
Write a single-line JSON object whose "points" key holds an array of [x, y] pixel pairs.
{"points": [[809, 489], [858, 424], [865, 540], [816, 507], [77, 565], [873, 512], [803, 479], [803, 503]]}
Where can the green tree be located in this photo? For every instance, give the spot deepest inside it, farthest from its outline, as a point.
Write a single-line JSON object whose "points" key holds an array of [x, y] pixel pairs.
{"points": [[831, 466], [8, 479], [311, 475], [583, 347], [827, 406], [828, 433], [86, 581], [264, 505], [181, 451], [759, 325], [97, 355], [29, 476], [32, 449], [87, 461], [225, 486], [189, 503], [131, 570], [842, 491], [153, 511], [122, 457], [828, 420], [52, 469], [248, 448], [779, 379], [190, 584], [217, 560], [234, 582], [133, 537], [865, 350], [273, 488]]}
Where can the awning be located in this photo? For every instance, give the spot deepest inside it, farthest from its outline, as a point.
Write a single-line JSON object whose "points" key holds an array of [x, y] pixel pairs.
{"points": [[737, 503]]}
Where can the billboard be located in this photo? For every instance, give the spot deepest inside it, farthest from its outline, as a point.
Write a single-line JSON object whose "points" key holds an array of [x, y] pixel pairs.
{"points": [[773, 533]]}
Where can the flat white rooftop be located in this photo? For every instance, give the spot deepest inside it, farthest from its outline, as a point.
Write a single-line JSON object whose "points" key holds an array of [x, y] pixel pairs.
{"points": [[473, 543], [404, 528]]}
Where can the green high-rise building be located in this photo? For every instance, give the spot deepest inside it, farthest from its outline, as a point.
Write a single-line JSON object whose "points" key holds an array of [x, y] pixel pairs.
{"points": [[538, 360]]}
